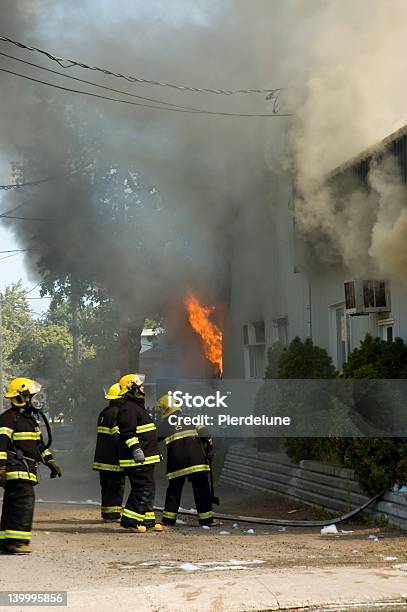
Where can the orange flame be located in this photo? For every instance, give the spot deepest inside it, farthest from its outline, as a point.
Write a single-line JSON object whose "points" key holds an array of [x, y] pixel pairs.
{"points": [[198, 316]]}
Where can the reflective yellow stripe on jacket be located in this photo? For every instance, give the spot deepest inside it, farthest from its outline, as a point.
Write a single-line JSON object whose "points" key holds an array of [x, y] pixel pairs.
{"points": [[108, 467], [204, 467], [146, 427], [147, 461], [27, 435], [21, 476], [187, 433], [110, 431], [132, 441], [6, 431]]}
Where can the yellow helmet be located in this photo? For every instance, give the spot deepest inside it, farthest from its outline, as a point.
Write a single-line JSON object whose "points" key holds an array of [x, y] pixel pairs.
{"points": [[164, 405], [114, 392], [132, 383], [20, 389]]}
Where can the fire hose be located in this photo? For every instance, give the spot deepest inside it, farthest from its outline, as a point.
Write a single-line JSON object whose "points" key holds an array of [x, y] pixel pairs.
{"points": [[288, 523]]}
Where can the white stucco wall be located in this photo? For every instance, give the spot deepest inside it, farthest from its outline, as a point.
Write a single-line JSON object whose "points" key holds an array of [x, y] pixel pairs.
{"points": [[265, 285]]}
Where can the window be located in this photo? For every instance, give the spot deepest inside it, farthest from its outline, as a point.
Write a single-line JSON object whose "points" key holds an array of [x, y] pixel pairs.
{"points": [[339, 345], [245, 335], [350, 295], [256, 361], [254, 341], [280, 330], [386, 329], [259, 332]]}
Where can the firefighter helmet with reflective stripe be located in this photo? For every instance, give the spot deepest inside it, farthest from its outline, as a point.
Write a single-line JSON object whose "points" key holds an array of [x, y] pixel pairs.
{"points": [[114, 392], [164, 405], [132, 384], [21, 389]]}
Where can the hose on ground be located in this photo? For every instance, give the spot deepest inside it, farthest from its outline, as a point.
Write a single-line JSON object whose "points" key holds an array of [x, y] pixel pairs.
{"points": [[288, 523]]}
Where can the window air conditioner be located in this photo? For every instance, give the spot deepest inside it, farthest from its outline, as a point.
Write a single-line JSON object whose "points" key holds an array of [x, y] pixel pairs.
{"points": [[366, 296]]}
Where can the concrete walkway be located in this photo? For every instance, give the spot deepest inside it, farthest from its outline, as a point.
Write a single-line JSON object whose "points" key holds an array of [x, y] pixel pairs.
{"points": [[254, 591]]}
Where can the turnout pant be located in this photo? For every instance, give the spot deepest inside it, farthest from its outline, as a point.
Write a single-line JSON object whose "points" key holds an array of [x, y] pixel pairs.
{"points": [[139, 508], [112, 491], [17, 513], [202, 496]]}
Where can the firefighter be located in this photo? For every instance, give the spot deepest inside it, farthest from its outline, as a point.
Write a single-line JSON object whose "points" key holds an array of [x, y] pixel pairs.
{"points": [[106, 460], [21, 449], [138, 454], [189, 451]]}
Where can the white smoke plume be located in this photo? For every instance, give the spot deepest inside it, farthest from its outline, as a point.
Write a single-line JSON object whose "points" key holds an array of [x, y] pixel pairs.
{"points": [[353, 97], [342, 66]]}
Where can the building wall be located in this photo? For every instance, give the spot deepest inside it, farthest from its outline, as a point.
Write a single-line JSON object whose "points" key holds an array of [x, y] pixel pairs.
{"points": [[265, 285], [331, 331]]}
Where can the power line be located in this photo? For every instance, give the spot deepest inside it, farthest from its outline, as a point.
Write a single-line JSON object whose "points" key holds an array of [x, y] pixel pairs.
{"points": [[8, 256], [11, 210], [25, 218], [28, 184], [16, 251], [68, 63], [32, 288], [120, 91], [129, 102]]}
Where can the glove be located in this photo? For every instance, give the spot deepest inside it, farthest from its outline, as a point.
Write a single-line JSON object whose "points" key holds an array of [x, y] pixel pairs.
{"points": [[138, 455], [55, 469], [3, 473]]}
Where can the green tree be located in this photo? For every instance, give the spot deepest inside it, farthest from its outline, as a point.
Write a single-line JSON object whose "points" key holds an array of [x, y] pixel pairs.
{"points": [[18, 323]]}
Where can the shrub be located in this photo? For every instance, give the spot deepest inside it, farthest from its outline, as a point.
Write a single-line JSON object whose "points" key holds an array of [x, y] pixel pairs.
{"points": [[300, 360], [305, 360], [378, 462]]}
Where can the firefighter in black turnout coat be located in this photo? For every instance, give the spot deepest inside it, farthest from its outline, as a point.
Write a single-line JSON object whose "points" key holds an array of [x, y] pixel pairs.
{"points": [[189, 450], [22, 448], [106, 460], [138, 454]]}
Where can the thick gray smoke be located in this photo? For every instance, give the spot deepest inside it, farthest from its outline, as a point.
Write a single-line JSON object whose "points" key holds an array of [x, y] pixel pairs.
{"points": [[353, 92], [196, 177], [190, 182]]}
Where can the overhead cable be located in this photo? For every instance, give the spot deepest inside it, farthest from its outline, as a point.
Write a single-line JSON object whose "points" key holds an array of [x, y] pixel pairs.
{"points": [[120, 91], [129, 102], [68, 63]]}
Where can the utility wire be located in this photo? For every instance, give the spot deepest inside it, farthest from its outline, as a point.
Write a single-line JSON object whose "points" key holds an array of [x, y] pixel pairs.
{"points": [[29, 184], [67, 63], [32, 288], [11, 210], [16, 251], [120, 91], [163, 108], [8, 256], [26, 218]]}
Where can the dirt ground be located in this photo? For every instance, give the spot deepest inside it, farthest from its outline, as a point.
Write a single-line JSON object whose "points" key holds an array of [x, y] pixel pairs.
{"points": [[74, 550]]}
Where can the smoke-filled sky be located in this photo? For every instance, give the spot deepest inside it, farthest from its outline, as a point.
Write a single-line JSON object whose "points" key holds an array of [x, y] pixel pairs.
{"points": [[341, 63]]}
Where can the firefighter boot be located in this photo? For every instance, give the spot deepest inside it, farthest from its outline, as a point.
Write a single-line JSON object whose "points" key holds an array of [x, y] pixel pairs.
{"points": [[137, 529], [16, 549], [158, 527]]}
